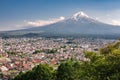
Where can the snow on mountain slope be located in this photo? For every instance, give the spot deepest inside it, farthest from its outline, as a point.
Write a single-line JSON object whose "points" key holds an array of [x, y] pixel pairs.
{"points": [[79, 23], [78, 15]]}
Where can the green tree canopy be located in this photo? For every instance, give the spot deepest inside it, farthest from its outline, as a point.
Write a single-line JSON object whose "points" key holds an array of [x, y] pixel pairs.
{"points": [[40, 72]]}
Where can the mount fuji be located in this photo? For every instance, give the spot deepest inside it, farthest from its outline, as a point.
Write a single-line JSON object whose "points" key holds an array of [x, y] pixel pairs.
{"points": [[79, 24]]}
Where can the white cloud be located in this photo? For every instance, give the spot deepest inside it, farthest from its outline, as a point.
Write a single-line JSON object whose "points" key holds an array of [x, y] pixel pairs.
{"points": [[116, 22], [29, 24], [43, 22], [109, 20]]}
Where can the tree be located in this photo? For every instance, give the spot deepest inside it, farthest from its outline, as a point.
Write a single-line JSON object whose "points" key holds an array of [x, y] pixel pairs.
{"points": [[40, 72], [68, 70], [104, 66]]}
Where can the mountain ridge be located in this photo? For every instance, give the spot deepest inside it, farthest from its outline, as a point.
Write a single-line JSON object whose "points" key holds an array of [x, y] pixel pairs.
{"points": [[80, 23]]}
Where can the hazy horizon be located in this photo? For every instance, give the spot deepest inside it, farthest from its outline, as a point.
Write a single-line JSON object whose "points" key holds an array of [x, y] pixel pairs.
{"points": [[17, 14]]}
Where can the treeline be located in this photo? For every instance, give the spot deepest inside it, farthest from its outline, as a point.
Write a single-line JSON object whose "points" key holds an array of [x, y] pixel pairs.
{"points": [[103, 66], [19, 34], [46, 51]]}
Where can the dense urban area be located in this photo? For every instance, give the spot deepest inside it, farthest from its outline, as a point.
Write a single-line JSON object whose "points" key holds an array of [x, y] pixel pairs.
{"points": [[22, 54]]}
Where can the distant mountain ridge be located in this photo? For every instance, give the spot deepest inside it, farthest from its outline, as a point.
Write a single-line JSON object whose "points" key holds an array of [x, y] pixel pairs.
{"points": [[79, 23]]}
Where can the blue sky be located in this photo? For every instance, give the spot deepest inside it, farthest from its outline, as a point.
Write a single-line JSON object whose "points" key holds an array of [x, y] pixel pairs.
{"points": [[15, 14]]}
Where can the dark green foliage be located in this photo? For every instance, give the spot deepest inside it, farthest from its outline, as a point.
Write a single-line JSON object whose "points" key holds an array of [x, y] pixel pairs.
{"points": [[108, 49], [104, 66], [52, 51], [37, 51], [70, 70], [12, 53], [66, 71], [46, 51], [40, 72]]}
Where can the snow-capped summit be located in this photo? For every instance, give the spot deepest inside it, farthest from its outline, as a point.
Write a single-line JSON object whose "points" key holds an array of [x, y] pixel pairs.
{"points": [[77, 25], [78, 15]]}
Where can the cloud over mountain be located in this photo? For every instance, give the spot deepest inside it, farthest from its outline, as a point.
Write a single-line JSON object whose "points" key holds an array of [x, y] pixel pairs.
{"points": [[79, 23], [44, 22]]}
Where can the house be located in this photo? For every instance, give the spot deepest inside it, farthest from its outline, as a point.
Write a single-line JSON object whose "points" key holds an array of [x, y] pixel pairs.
{"points": [[4, 69]]}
